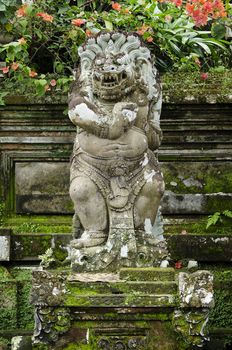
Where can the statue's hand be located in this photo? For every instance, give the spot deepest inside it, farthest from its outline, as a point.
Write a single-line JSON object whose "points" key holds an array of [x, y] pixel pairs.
{"points": [[124, 115], [126, 112]]}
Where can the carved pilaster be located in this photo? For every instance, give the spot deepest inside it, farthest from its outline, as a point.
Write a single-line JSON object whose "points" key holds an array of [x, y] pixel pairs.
{"points": [[50, 322]]}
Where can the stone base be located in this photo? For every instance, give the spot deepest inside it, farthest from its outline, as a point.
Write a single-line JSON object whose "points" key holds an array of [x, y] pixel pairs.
{"points": [[138, 309]]}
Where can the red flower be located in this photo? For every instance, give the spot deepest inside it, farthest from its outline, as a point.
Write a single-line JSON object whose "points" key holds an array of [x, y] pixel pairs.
{"points": [[143, 29], [5, 70], [45, 16], [88, 32], [197, 61], [202, 10], [178, 3], [78, 22], [32, 74], [53, 82], [178, 265], [204, 76], [149, 39], [14, 66], [116, 6], [21, 12]]}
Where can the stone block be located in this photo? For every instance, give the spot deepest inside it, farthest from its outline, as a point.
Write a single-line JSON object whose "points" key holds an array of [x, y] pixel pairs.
{"points": [[42, 187], [4, 247], [21, 343], [147, 274]]}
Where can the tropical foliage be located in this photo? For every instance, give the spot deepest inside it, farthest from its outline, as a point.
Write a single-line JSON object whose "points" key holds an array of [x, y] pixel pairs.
{"points": [[193, 35]]}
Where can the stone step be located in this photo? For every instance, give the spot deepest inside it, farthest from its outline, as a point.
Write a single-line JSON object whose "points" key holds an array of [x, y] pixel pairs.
{"points": [[164, 287], [147, 274], [120, 300]]}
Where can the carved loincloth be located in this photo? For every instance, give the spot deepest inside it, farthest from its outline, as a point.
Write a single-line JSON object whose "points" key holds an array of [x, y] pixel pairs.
{"points": [[118, 179]]}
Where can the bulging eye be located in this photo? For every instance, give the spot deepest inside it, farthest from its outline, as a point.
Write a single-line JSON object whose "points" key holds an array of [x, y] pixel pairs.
{"points": [[122, 60], [99, 61]]}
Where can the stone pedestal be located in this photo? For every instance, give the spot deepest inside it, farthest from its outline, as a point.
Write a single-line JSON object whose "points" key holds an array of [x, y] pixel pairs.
{"points": [[139, 308]]}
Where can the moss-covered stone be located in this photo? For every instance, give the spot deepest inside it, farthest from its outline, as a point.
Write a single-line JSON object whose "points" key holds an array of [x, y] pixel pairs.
{"points": [[200, 247], [198, 177], [8, 294], [82, 288], [147, 274], [25, 310], [125, 300]]}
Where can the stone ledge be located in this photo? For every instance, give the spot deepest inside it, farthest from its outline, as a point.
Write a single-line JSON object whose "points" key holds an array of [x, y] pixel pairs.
{"points": [[200, 247]]}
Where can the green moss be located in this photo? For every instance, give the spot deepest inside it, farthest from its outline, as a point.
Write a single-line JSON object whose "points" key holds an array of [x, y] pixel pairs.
{"points": [[198, 227], [180, 85], [39, 224], [202, 178], [25, 310], [221, 315], [4, 274], [78, 347], [40, 347], [4, 343], [8, 309], [147, 274]]}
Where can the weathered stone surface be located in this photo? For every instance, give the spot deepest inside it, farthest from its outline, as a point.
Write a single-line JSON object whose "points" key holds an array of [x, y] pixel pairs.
{"points": [[38, 189], [21, 343], [195, 203], [191, 326], [4, 247], [116, 183], [28, 247], [196, 289], [211, 248], [147, 274], [196, 140], [206, 248], [123, 287], [197, 177]]}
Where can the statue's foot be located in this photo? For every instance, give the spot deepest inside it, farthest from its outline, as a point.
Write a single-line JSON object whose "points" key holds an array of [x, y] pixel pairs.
{"points": [[89, 239]]}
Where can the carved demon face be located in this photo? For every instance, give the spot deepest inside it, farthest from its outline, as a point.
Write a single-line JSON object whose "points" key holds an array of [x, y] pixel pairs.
{"points": [[114, 65], [113, 75]]}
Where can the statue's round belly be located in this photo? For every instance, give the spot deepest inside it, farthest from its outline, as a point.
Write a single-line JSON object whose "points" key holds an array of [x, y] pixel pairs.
{"points": [[132, 143]]}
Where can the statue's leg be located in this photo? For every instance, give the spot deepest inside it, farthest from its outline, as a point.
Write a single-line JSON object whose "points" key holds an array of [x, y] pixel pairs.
{"points": [[148, 201], [91, 209]]}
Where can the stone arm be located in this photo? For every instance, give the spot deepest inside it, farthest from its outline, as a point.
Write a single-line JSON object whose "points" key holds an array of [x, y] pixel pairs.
{"points": [[89, 117], [153, 130]]}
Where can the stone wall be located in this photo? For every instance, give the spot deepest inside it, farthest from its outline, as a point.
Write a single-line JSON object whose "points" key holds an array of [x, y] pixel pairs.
{"points": [[36, 140], [36, 145]]}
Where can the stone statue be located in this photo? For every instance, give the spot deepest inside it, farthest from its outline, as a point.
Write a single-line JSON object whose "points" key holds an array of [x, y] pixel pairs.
{"points": [[116, 183]]}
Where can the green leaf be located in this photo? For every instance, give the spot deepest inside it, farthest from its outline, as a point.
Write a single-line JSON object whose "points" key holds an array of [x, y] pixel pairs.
{"points": [[228, 213], [204, 46], [40, 85], [2, 95], [59, 68], [2, 7], [213, 219], [218, 31], [109, 25], [9, 27]]}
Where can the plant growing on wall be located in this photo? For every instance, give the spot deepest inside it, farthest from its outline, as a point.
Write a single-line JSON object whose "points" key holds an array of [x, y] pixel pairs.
{"points": [[47, 34]]}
